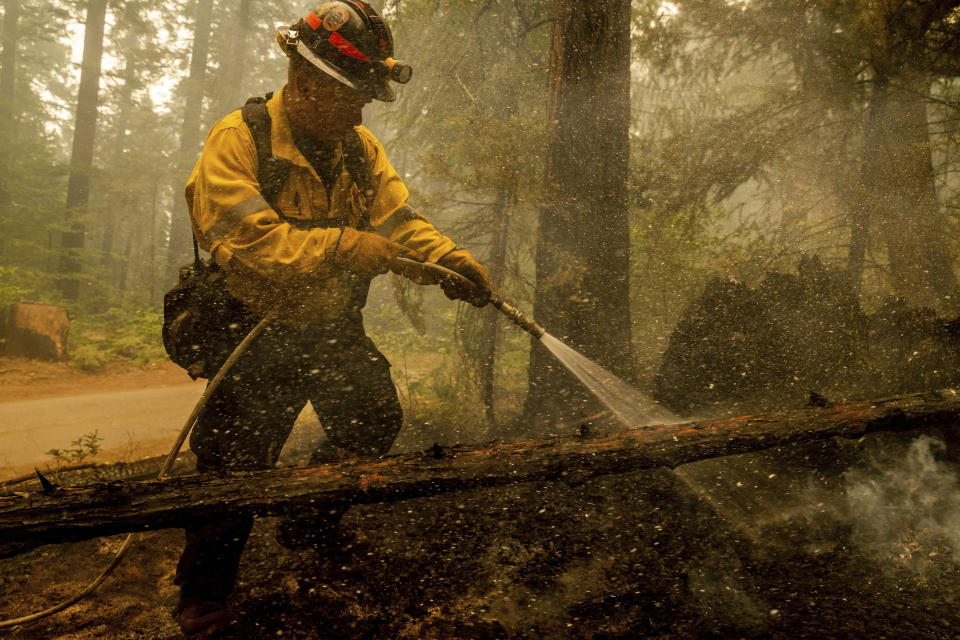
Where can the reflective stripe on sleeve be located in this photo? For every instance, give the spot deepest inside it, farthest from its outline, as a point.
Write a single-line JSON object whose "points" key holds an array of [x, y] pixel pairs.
{"points": [[233, 216]]}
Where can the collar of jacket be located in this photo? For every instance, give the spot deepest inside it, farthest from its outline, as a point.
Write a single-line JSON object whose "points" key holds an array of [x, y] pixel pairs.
{"points": [[282, 136]]}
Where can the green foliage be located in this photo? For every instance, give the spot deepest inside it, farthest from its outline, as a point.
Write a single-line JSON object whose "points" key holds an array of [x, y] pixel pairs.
{"points": [[472, 120], [86, 446], [11, 286], [799, 113], [446, 394], [132, 335], [425, 367], [88, 356], [436, 383], [469, 136]]}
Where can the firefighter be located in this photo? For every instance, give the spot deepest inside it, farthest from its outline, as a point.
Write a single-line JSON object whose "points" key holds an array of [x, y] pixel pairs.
{"points": [[301, 228]]}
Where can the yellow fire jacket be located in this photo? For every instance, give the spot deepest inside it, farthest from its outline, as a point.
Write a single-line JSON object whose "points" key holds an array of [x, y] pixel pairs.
{"points": [[284, 259]]}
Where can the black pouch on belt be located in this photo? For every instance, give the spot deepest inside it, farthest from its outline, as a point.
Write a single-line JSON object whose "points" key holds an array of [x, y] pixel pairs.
{"points": [[202, 322]]}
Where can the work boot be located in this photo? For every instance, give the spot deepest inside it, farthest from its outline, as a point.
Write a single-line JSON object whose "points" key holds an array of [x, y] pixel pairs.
{"points": [[202, 618]]}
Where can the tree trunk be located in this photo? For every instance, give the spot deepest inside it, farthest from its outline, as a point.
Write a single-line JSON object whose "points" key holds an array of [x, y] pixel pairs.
{"points": [[901, 194], [122, 212], [856, 193], [31, 520], [124, 269], [181, 244], [233, 63], [489, 331], [106, 244], [859, 238], [156, 261], [81, 159], [8, 73], [582, 261]]}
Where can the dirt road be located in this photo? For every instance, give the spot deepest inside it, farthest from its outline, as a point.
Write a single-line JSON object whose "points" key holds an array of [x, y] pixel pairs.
{"points": [[131, 424], [136, 412]]}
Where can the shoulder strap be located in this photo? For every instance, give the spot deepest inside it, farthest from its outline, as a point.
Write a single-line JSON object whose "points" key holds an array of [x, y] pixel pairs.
{"points": [[355, 161], [273, 171], [257, 119]]}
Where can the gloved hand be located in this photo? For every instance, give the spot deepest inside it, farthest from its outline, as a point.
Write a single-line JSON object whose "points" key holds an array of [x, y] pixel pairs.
{"points": [[369, 254], [477, 292]]}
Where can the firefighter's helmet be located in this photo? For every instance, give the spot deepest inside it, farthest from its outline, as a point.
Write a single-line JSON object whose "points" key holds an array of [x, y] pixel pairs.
{"points": [[348, 40]]}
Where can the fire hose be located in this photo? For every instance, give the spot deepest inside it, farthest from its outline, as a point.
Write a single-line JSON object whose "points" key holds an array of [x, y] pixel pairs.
{"points": [[519, 318], [523, 321], [167, 464]]}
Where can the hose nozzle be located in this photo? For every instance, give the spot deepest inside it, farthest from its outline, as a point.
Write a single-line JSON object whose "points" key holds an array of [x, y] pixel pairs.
{"points": [[521, 319]]}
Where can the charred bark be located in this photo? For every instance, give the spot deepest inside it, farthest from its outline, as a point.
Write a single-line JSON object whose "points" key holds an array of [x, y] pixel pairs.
{"points": [[34, 330], [740, 349], [31, 520]]}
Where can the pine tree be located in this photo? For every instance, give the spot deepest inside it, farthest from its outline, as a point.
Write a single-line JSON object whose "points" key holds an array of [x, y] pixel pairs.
{"points": [[81, 159]]}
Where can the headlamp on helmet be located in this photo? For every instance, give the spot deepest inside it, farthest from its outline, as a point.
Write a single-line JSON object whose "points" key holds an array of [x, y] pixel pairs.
{"points": [[348, 40]]}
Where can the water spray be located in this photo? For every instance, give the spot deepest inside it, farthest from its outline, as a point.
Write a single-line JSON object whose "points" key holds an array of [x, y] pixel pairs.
{"points": [[623, 400], [631, 407]]}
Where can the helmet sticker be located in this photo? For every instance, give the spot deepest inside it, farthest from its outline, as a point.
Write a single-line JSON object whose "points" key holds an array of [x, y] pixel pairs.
{"points": [[313, 20], [346, 48], [335, 19]]}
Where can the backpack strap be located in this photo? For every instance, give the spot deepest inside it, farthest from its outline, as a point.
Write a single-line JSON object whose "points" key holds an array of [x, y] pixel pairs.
{"points": [[355, 161], [273, 171]]}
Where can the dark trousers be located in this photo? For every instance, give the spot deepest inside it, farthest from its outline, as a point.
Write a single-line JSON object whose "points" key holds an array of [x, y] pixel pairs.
{"points": [[336, 368]]}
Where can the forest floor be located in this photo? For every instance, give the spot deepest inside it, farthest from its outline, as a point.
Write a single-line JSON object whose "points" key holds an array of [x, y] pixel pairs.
{"points": [[616, 558], [861, 546]]}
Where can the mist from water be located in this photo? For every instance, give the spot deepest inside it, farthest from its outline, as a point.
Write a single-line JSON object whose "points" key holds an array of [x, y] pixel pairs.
{"points": [[631, 407], [905, 507]]}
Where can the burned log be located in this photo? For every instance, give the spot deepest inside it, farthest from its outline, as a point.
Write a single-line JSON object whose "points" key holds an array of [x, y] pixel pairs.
{"points": [[31, 520]]}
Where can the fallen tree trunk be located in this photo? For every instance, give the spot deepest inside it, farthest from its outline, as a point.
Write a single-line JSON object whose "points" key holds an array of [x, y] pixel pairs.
{"points": [[31, 520]]}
